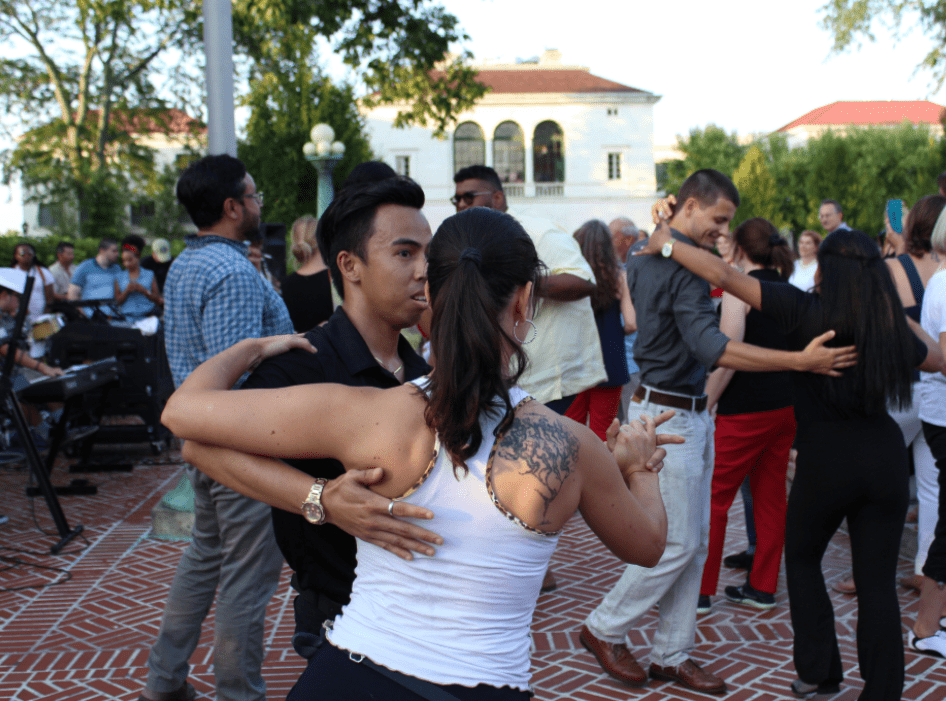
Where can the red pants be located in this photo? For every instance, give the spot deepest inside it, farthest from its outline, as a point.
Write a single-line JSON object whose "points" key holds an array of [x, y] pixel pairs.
{"points": [[597, 407], [756, 445]]}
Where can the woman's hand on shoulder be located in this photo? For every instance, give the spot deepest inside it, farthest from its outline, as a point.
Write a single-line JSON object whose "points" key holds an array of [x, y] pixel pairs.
{"points": [[635, 445]]}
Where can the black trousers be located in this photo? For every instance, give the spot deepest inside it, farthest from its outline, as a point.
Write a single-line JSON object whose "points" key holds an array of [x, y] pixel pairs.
{"points": [[332, 675], [935, 567], [858, 471]]}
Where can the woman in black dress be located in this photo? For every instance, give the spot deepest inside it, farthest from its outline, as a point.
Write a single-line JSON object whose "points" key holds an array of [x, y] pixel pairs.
{"points": [[307, 292], [851, 459]]}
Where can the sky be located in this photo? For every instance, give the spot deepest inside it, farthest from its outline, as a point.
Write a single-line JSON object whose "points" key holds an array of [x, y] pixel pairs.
{"points": [[748, 67]]}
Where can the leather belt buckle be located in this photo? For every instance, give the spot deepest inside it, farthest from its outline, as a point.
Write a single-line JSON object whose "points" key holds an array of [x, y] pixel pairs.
{"points": [[670, 400]]}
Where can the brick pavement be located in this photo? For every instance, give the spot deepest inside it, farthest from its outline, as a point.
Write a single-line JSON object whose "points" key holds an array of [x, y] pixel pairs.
{"points": [[77, 627]]}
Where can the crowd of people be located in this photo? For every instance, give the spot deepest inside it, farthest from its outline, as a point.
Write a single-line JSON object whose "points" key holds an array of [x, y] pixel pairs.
{"points": [[691, 362]]}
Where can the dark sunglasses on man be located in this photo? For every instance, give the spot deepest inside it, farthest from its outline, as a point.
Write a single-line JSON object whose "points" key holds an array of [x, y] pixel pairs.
{"points": [[467, 197]]}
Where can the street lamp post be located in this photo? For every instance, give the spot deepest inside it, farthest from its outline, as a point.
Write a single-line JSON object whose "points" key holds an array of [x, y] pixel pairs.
{"points": [[324, 153]]}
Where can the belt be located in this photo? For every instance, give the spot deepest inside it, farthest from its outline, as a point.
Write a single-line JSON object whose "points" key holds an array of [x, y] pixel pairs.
{"points": [[646, 394]]}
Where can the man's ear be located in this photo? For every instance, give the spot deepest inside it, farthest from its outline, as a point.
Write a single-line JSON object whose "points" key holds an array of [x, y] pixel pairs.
{"points": [[230, 208], [349, 266], [498, 200]]}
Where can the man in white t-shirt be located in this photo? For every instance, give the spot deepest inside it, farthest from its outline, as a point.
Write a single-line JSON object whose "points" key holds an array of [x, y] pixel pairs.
{"points": [[565, 357], [63, 269]]}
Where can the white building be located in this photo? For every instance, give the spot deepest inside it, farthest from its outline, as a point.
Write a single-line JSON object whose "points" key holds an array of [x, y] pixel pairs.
{"points": [[170, 135], [569, 146]]}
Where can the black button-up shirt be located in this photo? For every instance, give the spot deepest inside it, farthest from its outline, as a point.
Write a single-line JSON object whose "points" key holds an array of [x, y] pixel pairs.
{"points": [[678, 334], [323, 557]]}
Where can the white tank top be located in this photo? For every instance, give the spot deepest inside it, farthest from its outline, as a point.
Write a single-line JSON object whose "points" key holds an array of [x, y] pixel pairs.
{"points": [[463, 615]]}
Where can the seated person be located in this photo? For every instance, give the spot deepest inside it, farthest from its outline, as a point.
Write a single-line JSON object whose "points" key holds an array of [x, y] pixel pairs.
{"points": [[136, 290], [95, 278]]}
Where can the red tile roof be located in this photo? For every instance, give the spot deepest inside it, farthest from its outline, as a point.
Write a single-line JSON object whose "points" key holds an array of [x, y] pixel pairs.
{"points": [[548, 80], [867, 113], [169, 121]]}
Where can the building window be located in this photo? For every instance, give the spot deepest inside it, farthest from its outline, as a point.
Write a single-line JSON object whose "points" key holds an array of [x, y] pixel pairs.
{"points": [[47, 215], [469, 146], [402, 165], [141, 213], [612, 111], [509, 153], [548, 153], [614, 166]]}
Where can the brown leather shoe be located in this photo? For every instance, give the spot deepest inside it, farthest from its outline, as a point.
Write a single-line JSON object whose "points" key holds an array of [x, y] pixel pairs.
{"points": [[692, 675], [614, 658]]}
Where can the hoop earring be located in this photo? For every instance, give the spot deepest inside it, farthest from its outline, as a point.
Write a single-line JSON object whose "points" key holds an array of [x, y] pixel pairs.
{"points": [[535, 332]]}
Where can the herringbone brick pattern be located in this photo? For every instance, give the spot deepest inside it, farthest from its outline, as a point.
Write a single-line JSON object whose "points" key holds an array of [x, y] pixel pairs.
{"points": [[77, 627]]}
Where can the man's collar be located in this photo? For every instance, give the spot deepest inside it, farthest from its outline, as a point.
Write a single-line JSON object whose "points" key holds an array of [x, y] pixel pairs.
{"points": [[355, 354], [683, 238], [195, 241]]}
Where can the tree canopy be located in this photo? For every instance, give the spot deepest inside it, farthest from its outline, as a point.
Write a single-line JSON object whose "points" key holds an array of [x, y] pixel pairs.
{"points": [[79, 65], [850, 22]]}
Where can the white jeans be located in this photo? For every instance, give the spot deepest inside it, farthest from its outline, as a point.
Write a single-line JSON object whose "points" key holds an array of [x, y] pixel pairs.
{"points": [[927, 486], [685, 486]]}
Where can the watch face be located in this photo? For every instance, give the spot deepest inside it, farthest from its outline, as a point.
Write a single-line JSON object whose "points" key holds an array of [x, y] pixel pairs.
{"points": [[667, 249], [313, 512]]}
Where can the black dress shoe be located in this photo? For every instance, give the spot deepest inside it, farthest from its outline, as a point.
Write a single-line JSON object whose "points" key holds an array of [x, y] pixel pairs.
{"points": [[739, 561]]}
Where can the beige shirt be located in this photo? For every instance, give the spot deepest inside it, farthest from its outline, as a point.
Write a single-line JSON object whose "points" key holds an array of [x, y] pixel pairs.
{"points": [[565, 357]]}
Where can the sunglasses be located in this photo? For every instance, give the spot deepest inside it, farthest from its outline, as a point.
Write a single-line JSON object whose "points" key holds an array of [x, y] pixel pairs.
{"points": [[467, 197]]}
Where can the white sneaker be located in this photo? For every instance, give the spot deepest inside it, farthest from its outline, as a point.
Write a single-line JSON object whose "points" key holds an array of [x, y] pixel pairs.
{"points": [[934, 645]]}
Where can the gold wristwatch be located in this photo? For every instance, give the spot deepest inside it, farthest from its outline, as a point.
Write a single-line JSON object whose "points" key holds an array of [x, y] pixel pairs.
{"points": [[312, 506]]}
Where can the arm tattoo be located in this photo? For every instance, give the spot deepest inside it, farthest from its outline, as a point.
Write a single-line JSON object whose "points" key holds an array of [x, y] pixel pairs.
{"points": [[543, 449]]}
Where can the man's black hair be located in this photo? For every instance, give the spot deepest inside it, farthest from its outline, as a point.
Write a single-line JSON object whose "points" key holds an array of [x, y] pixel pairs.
{"points": [[484, 173], [835, 203], [369, 172], [63, 245], [348, 222], [206, 184], [107, 243], [707, 186], [941, 181]]}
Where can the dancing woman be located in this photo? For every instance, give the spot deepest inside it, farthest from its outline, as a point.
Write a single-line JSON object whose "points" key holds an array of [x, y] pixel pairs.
{"points": [[501, 475]]}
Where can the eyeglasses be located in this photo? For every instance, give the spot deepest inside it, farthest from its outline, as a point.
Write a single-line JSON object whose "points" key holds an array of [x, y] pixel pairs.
{"points": [[258, 196], [467, 197]]}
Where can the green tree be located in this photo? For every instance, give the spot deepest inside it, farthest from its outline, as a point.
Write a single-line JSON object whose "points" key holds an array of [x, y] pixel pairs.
{"points": [[850, 22], [757, 189], [83, 64], [710, 147]]}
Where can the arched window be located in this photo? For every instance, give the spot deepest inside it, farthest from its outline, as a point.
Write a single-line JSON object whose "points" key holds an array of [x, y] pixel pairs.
{"points": [[469, 146], [509, 153], [548, 153]]}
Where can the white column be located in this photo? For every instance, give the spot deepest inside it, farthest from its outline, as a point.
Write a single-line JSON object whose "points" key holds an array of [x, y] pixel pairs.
{"points": [[218, 49]]}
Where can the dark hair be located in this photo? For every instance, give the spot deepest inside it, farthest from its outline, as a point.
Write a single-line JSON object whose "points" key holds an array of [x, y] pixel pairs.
{"points": [[814, 236], [477, 260], [921, 222], [861, 304], [763, 244], [837, 205], [707, 186], [33, 263], [63, 245], [369, 172], [484, 173], [348, 221], [107, 242], [941, 181], [594, 238], [134, 242], [206, 184]]}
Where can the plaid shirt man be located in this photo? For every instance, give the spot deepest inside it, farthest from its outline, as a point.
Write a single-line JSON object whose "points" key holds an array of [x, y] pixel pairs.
{"points": [[214, 297]]}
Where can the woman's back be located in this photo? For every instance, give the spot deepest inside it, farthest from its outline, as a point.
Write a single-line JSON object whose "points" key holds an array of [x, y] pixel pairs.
{"points": [[405, 615]]}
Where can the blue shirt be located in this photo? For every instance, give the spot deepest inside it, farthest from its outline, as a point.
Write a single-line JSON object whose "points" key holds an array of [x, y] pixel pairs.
{"points": [[213, 298], [96, 282], [137, 306]]}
